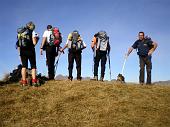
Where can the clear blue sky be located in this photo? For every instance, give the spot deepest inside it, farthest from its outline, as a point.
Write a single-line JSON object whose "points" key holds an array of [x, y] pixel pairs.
{"points": [[122, 19]]}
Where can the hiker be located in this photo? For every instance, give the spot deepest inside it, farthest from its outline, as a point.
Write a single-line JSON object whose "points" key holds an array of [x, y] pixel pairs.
{"points": [[145, 48], [51, 44], [101, 47], [27, 39], [75, 45]]}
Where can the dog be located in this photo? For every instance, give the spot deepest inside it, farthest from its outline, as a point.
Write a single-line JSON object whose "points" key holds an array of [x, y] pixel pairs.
{"points": [[121, 78]]}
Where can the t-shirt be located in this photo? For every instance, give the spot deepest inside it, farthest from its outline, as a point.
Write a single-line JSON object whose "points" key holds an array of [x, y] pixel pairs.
{"points": [[47, 34], [34, 34], [143, 46]]}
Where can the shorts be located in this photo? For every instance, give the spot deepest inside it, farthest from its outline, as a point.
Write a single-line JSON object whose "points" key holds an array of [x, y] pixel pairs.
{"points": [[28, 55]]}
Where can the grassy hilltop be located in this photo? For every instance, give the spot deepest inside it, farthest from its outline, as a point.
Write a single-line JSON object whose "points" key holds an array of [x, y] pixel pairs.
{"points": [[85, 104]]}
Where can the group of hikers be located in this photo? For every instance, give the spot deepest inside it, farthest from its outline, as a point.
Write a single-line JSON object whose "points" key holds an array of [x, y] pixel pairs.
{"points": [[27, 38]]}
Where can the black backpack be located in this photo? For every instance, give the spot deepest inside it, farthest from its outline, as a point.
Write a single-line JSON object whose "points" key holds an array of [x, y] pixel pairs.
{"points": [[24, 37], [15, 76], [147, 38]]}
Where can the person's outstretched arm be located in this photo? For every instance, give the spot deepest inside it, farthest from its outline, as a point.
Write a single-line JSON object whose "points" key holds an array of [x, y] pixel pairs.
{"points": [[129, 51], [65, 46]]}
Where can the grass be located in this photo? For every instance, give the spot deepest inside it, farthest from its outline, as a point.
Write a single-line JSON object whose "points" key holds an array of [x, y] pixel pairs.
{"points": [[85, 104]]}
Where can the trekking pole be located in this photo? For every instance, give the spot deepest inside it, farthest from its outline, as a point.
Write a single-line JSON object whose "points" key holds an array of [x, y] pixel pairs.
{"points": [[56, 64], [93, 65], [94, 55], [109, 67], [123, 67]]}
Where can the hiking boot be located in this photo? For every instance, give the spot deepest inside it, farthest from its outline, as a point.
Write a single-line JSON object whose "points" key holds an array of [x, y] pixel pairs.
{"points": [[95, 78], [141, 83], [24, 84], [101, 79], [79, 78], [34, 83], [70, 78]]}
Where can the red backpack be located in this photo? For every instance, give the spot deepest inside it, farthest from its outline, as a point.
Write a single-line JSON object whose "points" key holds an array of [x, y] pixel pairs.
{"points": [[55, 37]]}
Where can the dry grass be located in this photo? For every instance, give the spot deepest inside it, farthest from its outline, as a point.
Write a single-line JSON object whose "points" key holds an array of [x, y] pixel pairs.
{"points": [[85, 104]]}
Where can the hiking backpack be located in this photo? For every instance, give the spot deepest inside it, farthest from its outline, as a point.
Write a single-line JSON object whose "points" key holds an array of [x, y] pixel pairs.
{"points": [[76, 42], [147, 38], [15, 76], [55, 37], [103, 41], [24, 37]]}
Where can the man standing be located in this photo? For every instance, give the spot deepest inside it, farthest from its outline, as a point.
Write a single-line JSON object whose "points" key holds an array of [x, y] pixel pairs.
{"points": [[101, 47], [75, 46], [145, 49], [27, 39], [51, 44]]}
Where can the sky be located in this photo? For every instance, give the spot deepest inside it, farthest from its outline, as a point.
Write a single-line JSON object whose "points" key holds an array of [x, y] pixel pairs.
{"points": [[121, 19]]}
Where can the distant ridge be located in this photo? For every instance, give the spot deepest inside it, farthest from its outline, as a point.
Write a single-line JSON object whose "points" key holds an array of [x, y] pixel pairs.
{"points": [[62, 77], [162, 82]]}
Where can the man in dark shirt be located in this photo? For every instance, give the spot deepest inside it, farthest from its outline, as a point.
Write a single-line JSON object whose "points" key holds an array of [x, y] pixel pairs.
{"points": [[145, 49]]}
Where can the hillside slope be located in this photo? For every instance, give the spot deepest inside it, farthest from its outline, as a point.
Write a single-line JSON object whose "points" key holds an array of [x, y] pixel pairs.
{"points": [[85, 104]]}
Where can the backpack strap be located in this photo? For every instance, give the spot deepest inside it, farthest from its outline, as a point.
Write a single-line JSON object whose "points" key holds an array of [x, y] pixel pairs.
{"points": [[98, 43]]}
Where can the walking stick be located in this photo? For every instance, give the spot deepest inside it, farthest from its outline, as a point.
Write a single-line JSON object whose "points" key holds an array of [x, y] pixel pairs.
{"points": [[94, 56], [109, 67], [56, 64], [123, 67]]}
